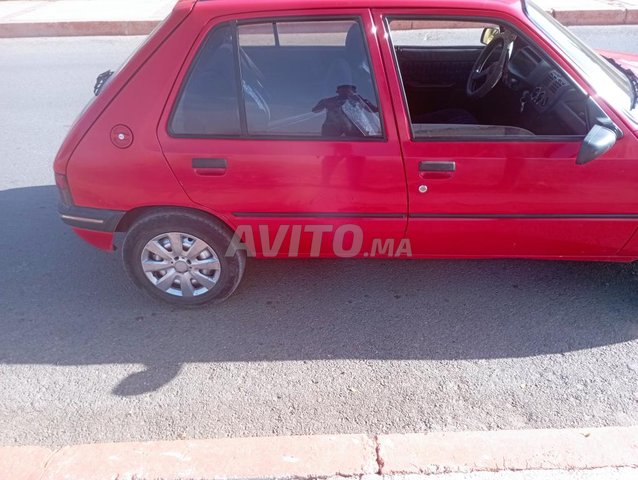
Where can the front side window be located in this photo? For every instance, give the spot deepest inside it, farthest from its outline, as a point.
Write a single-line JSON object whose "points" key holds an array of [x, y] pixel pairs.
{"points": [[275, 79], [456, 86]]}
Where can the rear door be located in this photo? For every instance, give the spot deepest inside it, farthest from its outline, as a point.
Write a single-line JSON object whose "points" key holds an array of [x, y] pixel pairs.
{"points": [[255, 131]]}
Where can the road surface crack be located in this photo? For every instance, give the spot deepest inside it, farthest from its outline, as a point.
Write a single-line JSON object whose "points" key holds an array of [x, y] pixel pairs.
{"points": [[380, 462]]}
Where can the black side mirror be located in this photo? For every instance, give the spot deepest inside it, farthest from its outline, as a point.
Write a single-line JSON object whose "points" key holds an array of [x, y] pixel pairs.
{"points": [[598, 141]]}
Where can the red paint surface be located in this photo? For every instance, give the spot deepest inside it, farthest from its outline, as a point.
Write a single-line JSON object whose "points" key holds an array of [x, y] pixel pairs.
{"points": [[100, 240], [500, 180]]}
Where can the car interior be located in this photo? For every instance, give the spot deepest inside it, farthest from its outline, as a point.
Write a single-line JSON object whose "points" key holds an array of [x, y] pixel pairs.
{"points": [[505, 87]]}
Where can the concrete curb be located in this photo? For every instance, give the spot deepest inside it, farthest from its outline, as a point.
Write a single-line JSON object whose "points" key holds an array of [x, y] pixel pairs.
{"points": [[329, 456]]}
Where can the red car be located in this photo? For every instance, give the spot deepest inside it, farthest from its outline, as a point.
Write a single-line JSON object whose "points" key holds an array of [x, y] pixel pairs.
{"points": [[368, 128]]}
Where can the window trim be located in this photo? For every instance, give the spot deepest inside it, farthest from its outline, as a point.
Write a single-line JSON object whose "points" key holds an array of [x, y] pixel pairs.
{"points": [[245, 135], [239, 82], [478, 138]]}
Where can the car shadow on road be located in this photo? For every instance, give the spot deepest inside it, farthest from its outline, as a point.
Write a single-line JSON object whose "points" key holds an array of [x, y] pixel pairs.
{"points": [[64, 303]]}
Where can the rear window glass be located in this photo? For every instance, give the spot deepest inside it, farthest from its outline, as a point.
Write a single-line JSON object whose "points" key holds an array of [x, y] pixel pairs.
{"points": [[315, 81]]}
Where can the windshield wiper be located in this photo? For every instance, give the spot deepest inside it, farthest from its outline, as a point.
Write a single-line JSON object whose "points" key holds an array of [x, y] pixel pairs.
{"points": [[631, 76]]}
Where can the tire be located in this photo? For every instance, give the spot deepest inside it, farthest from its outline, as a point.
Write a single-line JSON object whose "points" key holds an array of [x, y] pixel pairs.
{"points": [[161, 254]]}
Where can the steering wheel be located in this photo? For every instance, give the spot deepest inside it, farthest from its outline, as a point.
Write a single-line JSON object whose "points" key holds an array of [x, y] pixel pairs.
{"points": [[485, 75]]}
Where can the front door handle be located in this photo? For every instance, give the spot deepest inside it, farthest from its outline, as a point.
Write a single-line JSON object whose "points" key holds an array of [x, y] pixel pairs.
{"points": [[436, 169], [214, 167]]}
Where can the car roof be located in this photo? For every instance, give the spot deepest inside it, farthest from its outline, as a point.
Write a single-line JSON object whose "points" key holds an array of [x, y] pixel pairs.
{"points": [[360, 3], [261, 5]]}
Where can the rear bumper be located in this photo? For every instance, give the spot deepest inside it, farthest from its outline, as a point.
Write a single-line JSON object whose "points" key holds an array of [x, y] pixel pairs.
{"points": [[93, 219]]}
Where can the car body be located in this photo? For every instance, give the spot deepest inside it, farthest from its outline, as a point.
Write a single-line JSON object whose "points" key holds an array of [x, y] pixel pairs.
{"points": [[314, 128]]}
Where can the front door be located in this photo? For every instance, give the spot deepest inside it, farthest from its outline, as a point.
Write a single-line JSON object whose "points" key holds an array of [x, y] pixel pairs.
{"points": [[495, 174]]}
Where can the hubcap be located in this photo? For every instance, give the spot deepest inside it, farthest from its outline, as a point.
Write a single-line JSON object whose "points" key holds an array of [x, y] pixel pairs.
{"points": [[180, 264], [181, 267]]}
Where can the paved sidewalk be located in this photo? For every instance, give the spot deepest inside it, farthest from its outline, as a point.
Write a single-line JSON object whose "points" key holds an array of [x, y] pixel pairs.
{"points": [[33, 18], [576, 454]]}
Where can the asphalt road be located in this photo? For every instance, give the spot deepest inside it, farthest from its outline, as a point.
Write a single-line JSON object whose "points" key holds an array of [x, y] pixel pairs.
{"points": [[304, 346]]}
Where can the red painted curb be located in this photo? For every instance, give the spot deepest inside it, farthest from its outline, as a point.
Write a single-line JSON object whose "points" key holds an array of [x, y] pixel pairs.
{"points": [[632, 16], [583, 449], [79, 29], [239, 458], [23, 463], [591, 17], [330, 456]]}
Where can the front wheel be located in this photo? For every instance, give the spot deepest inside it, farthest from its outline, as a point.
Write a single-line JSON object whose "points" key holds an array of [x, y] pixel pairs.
{"points": [[181, 258]]}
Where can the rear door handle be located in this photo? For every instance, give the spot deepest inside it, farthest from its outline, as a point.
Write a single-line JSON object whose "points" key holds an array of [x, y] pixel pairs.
{"points": [[437, 169], [214, 167]]}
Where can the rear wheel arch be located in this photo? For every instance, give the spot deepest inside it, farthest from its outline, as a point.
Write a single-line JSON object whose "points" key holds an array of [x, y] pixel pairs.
{"points": [[135, 215]]}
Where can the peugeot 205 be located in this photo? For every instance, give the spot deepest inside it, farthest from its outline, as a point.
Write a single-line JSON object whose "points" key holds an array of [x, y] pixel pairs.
{"points": [[367, 128]]}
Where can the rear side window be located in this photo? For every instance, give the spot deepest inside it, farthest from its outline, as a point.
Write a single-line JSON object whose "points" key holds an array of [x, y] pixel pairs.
{"points": [[299, 79], [208, 104], [315, 82]]}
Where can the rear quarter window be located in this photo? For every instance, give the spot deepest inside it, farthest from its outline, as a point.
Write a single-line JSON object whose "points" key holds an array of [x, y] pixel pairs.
{"points": [[208, 102]]}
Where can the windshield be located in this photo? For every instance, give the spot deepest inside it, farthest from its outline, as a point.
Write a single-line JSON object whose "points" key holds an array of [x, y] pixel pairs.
{"points": [[609, 83]]}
